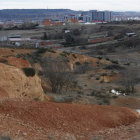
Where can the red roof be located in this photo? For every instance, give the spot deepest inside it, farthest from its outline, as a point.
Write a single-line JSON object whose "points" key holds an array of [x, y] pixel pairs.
{"points": [[74, 20]]}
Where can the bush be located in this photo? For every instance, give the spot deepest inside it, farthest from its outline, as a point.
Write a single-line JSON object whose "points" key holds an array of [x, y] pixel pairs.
{"points": [[4, 61], [83, 47], [41, 50], [107, 59], [74, 55], [70, 39], [107, 102], [114, 97], [5, 138], [103, 74], [76, 32], [114, 67], [82, 69], [97, 78], [63, 54], [36, 99], [99, 57], [114, 61], [29, 71], [77, 63]]}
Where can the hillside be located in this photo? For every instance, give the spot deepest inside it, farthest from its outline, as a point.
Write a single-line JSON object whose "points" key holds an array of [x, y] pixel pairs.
{"points": [[33, 13], [30, 119]]}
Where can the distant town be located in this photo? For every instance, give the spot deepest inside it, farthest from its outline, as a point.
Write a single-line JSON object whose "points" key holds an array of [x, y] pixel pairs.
{"points": [[50, 17]]}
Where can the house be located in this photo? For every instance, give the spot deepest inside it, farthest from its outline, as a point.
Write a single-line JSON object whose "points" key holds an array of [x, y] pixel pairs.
{"points": [[18, 39], [47, 44], [130, 34], [14, 36], [47, 22], [100, 39], [3, 38]]}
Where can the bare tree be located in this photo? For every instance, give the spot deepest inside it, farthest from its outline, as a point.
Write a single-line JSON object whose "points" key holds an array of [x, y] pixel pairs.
{"points": [[58, 74], [83, 68], [28, 24], [129, 78]]}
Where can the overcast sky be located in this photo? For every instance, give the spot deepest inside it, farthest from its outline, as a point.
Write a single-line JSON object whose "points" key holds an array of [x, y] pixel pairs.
{"points": [[114, 5]]}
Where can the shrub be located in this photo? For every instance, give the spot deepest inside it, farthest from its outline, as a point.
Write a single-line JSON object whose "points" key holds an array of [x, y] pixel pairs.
{"points": [[114, 61], [76, 32], [70, 39], [63, 54], [86, 63], [83, 47], [52, 50], [77, 63], [82, 69], [107, 102], [29, 71], [103, 74], [36, 99], [126, 63], [5, 138], [4, 61], [97, 78], [41, 50], [99, 57], [114, 97], [100, 53], [91, 75], [107, 59], [114, 67], [74, 55]]}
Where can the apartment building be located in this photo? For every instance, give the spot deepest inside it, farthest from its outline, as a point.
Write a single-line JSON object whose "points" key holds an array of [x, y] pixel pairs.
{"points": [[94, 15]]}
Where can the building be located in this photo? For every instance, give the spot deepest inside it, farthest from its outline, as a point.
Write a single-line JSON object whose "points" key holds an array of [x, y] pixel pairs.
{"points": [[94, 15], [50, 22], [76, 17]]}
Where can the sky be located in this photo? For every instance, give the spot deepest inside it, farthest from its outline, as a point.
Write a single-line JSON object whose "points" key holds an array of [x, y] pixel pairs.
{"points": [[112, 5]]}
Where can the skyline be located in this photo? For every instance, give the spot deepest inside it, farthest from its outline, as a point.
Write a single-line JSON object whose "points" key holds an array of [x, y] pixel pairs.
{"points": [[112, 5]]}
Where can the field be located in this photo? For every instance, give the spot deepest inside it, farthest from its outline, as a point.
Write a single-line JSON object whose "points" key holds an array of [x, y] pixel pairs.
{"points": [[78, 92]]}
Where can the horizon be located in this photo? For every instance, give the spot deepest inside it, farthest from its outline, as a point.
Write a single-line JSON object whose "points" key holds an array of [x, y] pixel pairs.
{"points": [[64, 9], [86, 5]]}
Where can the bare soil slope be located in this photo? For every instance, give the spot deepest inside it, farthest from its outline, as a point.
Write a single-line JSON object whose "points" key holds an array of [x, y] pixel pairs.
{"points": [[14, 84], [75, 120]]}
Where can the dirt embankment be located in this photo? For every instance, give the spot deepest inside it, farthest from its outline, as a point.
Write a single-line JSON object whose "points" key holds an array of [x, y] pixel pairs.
{"points": [[15, 84], [65, 118]]}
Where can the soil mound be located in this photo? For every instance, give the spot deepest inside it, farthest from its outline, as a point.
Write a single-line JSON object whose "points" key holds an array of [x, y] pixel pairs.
{"points": [[17, 85], [18, 62], [68, 118]]}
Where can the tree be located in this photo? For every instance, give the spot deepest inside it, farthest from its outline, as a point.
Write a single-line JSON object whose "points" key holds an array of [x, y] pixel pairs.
{"points": [[28, 24], [45, 36], [57, 73], [83, 68], [110, 33], [129, 78], [69, 38], [76, 32]]}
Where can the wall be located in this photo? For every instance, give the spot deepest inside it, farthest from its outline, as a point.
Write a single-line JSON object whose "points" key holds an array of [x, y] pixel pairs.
{"points": [[100, 40]]}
